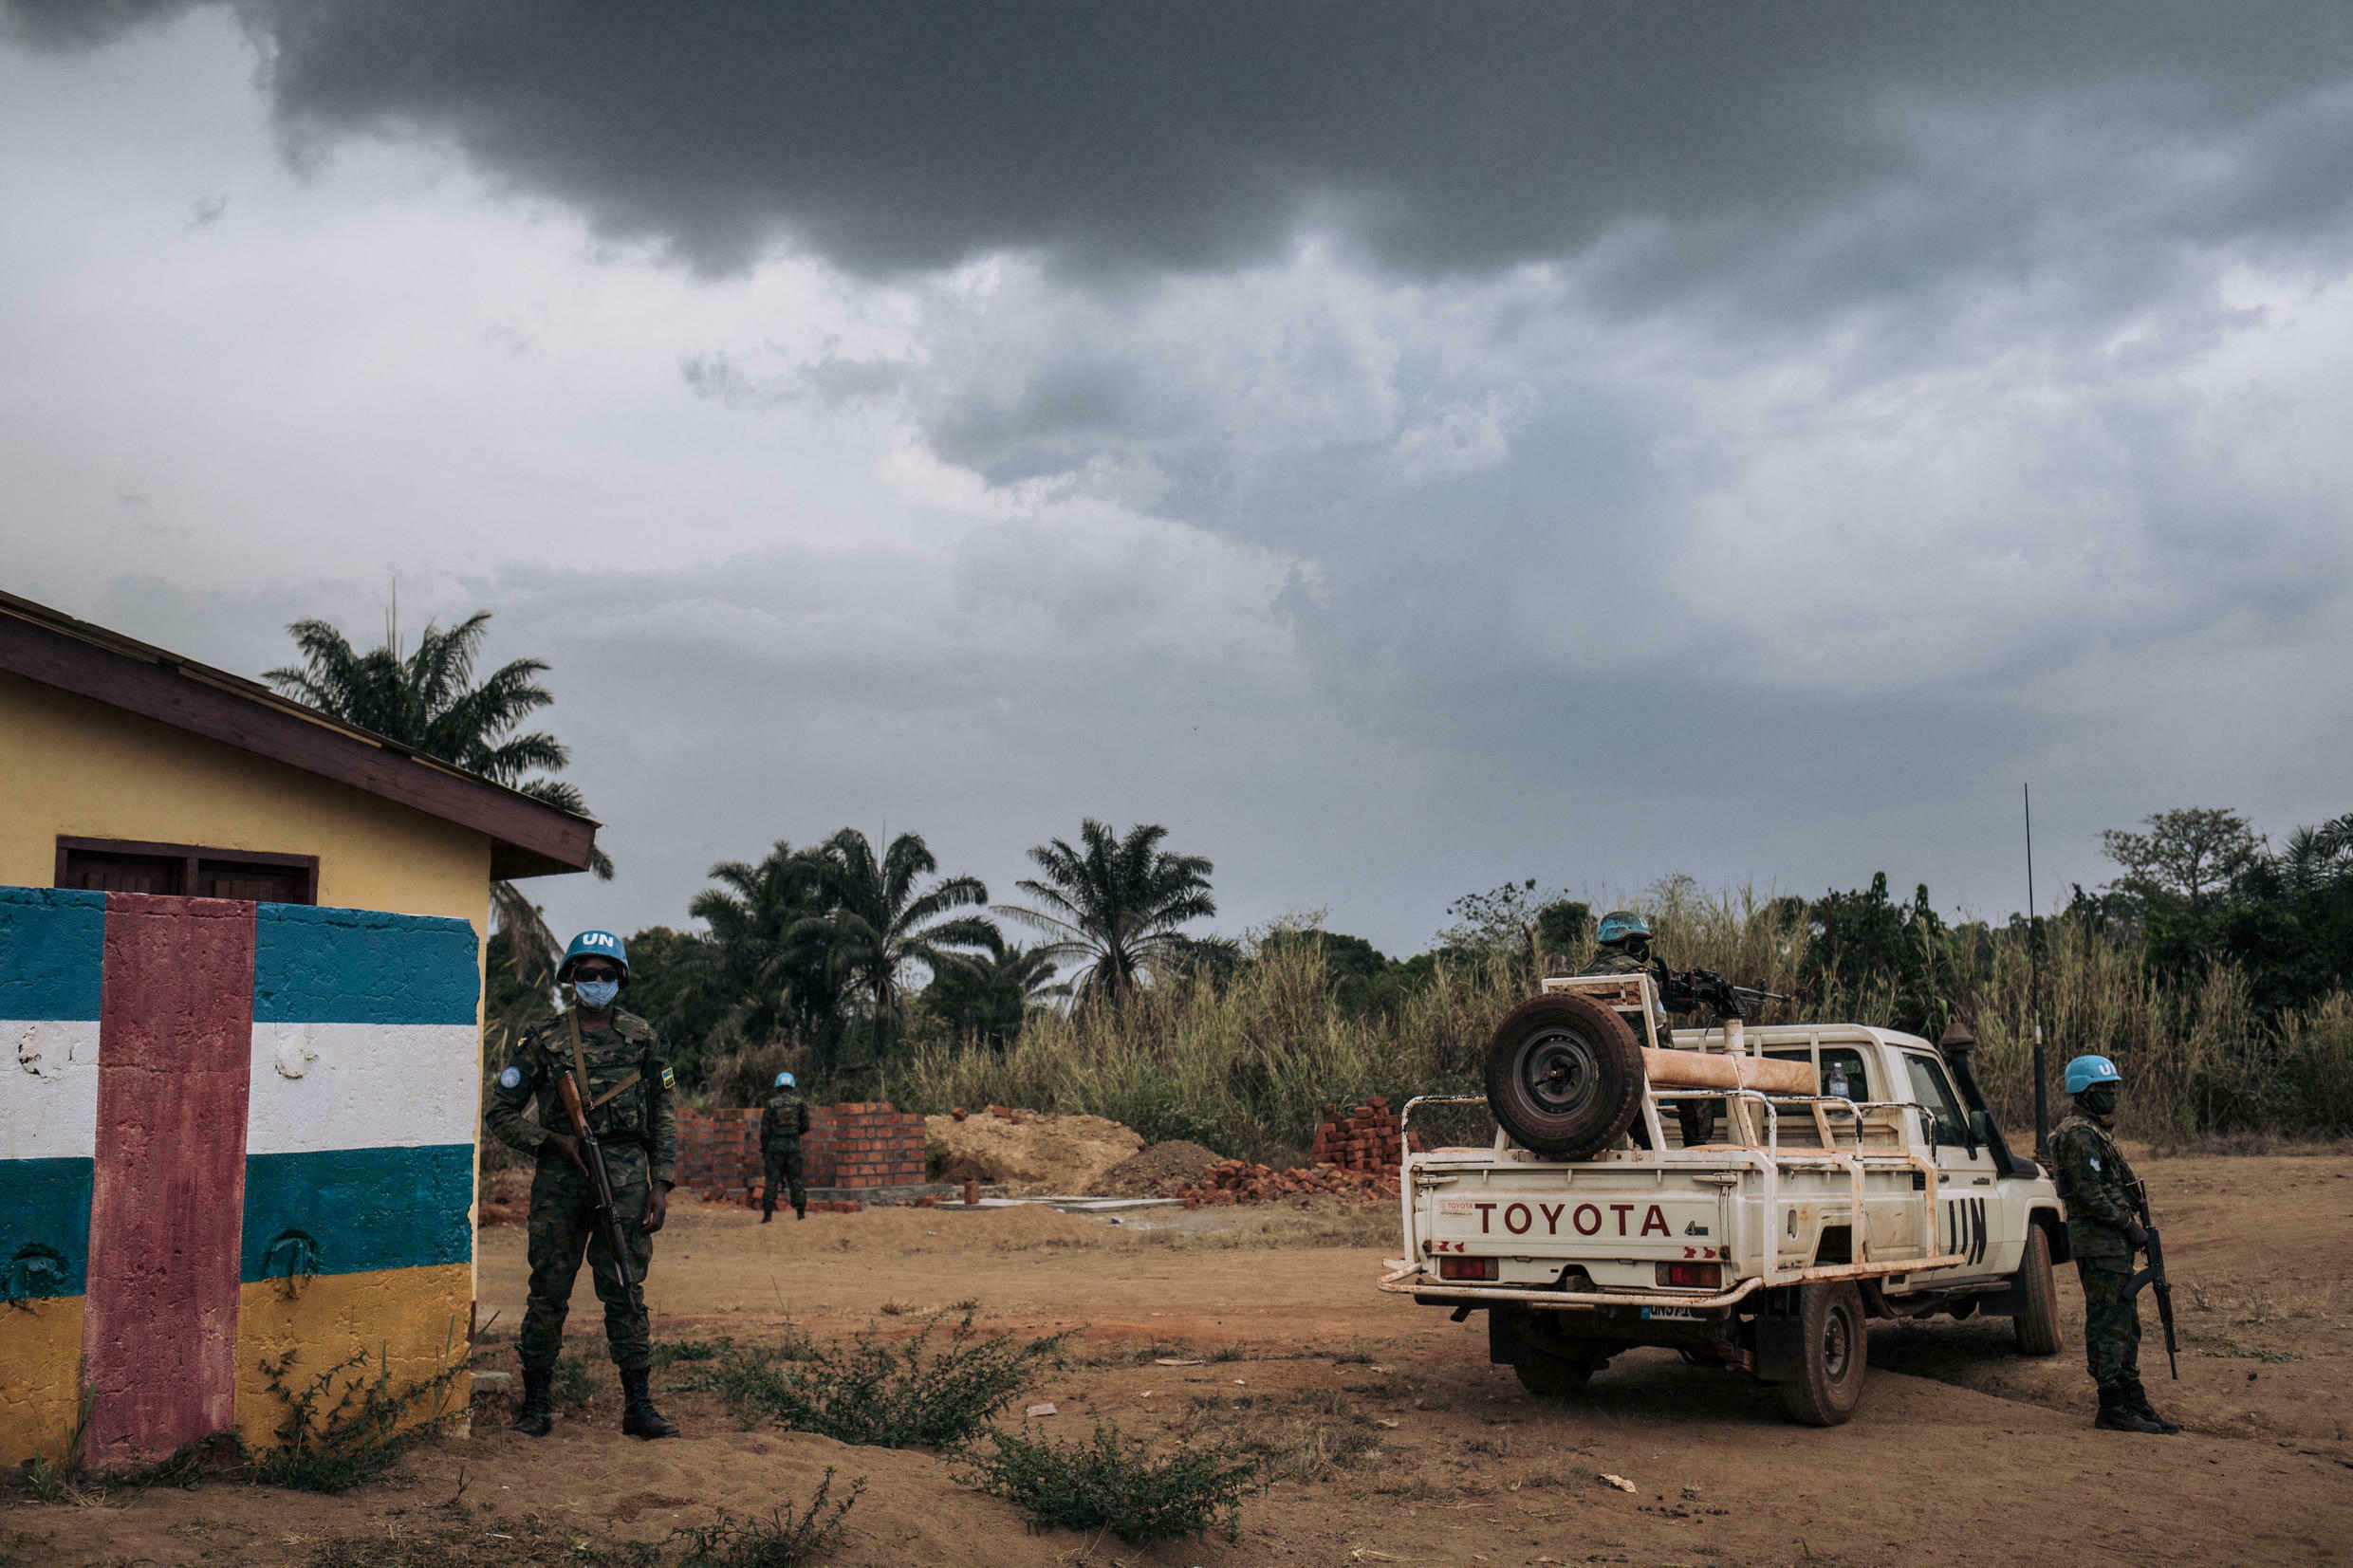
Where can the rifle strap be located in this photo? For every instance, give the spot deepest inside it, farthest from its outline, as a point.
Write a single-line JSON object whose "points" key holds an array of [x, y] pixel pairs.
{"points": [[580, 1062], [615, 1090]]}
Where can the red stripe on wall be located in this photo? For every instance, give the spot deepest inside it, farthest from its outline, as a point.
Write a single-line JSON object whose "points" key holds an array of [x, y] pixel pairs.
{"points": [[175, 1040]]}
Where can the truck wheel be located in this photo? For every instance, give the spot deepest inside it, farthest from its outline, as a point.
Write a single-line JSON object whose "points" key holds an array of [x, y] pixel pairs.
{"points": [[1564, 1076], [2037, 1327], [1548, 1378], [1835, 1348]]}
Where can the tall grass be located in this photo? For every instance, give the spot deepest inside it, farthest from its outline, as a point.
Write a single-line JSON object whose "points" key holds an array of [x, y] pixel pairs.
{"points": [[1246, 1065]]}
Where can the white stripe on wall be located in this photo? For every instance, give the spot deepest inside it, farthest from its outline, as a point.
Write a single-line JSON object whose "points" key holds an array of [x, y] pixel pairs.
{"points": [[361, 1086], [48, 1097]]}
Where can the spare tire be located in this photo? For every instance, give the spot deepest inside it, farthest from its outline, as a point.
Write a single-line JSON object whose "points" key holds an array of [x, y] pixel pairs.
{"points": [[1564, 1076]]}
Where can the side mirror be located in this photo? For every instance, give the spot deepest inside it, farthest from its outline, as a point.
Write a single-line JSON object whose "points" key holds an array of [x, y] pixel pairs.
{"points": [[1980, 1130]]}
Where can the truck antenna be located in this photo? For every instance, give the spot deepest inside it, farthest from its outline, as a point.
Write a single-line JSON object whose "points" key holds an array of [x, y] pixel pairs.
{"points": [[2034, 988]]}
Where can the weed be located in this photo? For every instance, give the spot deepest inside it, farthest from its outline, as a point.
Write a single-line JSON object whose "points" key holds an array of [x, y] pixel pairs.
{"points": [[574, 1383], [333, 1448], [970, 1303], [673, 1351], [1115, 1483], [1220, 1354], [783, 1540], [867, 1391], [895, 1309]]}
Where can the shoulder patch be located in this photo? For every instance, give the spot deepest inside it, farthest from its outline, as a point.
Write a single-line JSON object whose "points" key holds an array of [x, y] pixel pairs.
{"points": [[2094, 1162], [669, 1081], [511, 1079]]}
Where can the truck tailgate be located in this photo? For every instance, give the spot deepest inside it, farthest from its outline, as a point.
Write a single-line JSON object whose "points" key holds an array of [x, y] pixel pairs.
{"points": [[1578, 1212]]}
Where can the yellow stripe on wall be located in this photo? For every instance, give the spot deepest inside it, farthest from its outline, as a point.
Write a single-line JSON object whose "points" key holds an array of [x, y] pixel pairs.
{"points": [[40, 1376], [414, 1318]]}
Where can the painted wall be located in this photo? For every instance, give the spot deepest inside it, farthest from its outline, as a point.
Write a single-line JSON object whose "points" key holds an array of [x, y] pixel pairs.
{"points": [[73, 768], [227, 1129]]}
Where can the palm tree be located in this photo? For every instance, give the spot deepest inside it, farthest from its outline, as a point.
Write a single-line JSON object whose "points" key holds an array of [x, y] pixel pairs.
{"points": [[991, 999], [878, 922], [428, 702], [1115, 908], [770, 960]]}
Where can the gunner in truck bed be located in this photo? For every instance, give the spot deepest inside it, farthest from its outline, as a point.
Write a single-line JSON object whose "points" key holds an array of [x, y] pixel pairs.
{"points": [[1622, 946]]}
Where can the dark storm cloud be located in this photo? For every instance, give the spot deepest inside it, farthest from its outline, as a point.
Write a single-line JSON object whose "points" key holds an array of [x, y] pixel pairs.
{"points": [[910, 136]]}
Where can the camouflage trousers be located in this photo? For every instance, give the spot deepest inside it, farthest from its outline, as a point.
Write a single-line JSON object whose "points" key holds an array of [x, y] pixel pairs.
{"points": [[784, 1166], [2111, 1317], [564, 1225]]}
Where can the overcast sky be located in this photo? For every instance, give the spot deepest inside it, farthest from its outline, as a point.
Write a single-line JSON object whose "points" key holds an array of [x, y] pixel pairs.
{"points": [[1398, 448]]}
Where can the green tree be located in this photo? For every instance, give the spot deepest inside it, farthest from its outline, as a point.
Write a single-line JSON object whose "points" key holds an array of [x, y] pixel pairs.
{"points": [[2188, 857], [1115, 908], [675, 984], [1518, 921], [878, 921], [430, 702], [990, 1000], [771, 973]]}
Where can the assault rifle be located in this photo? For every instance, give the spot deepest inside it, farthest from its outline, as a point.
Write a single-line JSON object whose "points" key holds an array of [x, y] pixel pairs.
{"points": [[1687, 990], [2154, 1277], [609, 1217]]}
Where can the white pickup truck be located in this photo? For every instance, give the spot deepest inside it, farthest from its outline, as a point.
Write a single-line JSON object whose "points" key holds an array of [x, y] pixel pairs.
{"points": [[1833, 1175]]}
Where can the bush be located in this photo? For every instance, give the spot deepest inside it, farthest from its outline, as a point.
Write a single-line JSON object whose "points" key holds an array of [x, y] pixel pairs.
{"points": [[783, 1540], [1109, 1481], [874, 1393], [325, 1448]]}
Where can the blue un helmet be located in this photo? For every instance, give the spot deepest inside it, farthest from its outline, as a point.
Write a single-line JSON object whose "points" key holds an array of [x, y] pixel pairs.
{"points": [[1617, 925], [2085, 1070], [785, 1080], [594, 944]]}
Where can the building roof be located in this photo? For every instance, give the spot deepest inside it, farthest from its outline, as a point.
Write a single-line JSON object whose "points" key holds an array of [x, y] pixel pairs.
{"points": [[528, 838]]}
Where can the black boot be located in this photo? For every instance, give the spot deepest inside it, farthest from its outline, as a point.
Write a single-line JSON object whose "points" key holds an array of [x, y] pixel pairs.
{"points": [[2116, 1413], [534, 1419], [799, 1210], [2138, 1397], [767, 1209], [639, 1416]]}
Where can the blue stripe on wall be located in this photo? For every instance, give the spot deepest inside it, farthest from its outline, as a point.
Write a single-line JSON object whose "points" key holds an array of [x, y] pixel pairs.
{"points": [[45, 1218], [52, 952], [350, 1210], [328, 966]]}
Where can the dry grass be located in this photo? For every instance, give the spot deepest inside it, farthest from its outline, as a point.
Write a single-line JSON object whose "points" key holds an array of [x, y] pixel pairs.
{"points": [[1247, 1066]]}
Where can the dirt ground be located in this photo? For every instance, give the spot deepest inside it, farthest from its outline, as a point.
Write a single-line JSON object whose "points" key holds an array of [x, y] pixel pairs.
{"points": [[1964, 1452]]}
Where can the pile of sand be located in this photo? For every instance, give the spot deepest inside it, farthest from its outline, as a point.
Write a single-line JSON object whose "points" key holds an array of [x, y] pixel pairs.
{"points": [[1039, 1153], [1160, 1171]]}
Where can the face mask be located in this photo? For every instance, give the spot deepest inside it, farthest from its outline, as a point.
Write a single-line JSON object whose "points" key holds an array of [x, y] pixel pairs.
{"points": [[596, 994], [2100, 1099]]}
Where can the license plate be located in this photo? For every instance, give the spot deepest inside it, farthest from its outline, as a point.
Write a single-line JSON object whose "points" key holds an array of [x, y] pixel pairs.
{"points": [[1675, 1315]]}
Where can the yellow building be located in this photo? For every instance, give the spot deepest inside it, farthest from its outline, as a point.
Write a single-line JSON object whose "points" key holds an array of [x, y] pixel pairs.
{"points": [[240, 972]]}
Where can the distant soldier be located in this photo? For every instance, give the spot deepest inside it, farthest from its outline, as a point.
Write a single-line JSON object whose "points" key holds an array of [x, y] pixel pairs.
{"points": [[1623, 947], [2103, 1231], [784, 1117], [626, 1089]]}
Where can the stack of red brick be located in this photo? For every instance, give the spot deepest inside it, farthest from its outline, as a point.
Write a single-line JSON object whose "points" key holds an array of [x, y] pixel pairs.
{"points": [[1364, 1139], [1238, 1181], [860, 1144], [719, 1153], [863, 1143]]}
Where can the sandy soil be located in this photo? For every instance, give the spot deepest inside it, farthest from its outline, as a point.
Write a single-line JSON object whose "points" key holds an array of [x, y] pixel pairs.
{"points": [[1964, 1452], [1040, 1153]]}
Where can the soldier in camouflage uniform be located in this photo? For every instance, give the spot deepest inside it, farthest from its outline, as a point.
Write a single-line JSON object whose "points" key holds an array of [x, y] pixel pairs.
{"points": [[627, 1098], [1623, 947], [2097, 1183], [784, 1117]]}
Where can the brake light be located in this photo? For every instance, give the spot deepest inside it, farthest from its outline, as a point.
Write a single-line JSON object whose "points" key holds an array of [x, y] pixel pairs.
{"points": [[1691, 1276], [1466, 1268]]}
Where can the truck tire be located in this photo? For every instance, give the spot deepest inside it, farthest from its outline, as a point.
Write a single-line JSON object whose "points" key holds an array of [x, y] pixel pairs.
{"points": [[1564, 1076], [1835, 1350], [2037, 1327], [1549, 1377]]}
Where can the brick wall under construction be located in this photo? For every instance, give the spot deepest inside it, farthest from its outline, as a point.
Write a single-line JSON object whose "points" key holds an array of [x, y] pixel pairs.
{"points": [[1364, 1139], [861, 1143]]}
